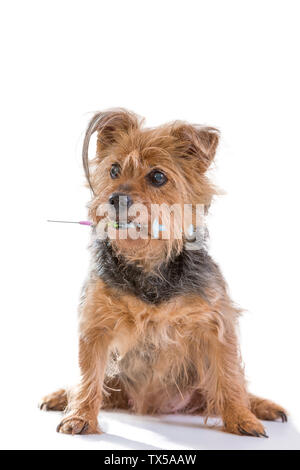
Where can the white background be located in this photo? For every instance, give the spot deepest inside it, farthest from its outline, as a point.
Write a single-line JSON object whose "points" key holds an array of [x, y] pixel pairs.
{"points": [[234, 65]]}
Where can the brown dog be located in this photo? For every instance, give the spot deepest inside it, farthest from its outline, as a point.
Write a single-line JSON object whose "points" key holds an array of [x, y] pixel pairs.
{"points": [[157, 327]]}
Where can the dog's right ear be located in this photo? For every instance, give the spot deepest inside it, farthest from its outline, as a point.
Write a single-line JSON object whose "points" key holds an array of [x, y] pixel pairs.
{"points": [[109, 125]]}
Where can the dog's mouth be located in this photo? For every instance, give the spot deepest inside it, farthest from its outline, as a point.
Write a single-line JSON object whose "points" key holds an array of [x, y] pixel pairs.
{"points": [[131, 225], [121, 225]]}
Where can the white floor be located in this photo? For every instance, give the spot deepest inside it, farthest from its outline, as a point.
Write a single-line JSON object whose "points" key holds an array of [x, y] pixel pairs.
{"points": [[125, 431]]}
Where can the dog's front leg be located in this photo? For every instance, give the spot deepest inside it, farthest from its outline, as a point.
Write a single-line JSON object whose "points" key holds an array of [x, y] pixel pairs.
{"points": [[84, 401], [226, 387]]}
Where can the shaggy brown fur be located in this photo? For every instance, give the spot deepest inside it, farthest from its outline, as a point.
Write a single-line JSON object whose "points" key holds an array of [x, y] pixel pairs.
{"points": [[174, 355]]}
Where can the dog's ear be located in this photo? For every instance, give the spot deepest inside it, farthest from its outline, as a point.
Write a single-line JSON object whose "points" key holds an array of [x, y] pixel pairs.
{"points": [[197, 141], [109, 125]]}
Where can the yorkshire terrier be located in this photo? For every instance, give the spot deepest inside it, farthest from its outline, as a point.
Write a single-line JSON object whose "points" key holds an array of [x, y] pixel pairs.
{"points": [[157, 328]]}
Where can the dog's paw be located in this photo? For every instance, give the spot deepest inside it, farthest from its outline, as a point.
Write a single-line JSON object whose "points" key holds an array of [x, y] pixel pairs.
{"points": [[242, 422], [56, 401], [269, 411], [75, 424]]}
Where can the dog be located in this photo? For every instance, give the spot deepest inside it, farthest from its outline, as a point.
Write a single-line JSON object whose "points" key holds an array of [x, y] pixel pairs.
{"points": [[157, 327]]}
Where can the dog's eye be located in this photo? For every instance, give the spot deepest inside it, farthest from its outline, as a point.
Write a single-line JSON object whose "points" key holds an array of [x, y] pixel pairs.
{"points": [[157, 178], [115, 171]]}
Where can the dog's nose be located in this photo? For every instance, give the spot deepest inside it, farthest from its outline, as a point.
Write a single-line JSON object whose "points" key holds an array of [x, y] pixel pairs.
{"points": [[120, 200]]}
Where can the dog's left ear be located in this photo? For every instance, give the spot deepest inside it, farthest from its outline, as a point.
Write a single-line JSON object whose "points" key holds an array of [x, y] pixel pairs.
{"points": [[197, 141]]}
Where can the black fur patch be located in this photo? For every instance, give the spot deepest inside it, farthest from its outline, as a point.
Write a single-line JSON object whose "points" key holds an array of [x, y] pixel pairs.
{"points": [[191, 272]]}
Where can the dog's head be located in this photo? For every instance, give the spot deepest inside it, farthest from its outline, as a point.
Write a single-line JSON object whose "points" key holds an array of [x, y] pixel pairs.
{"points": [[147, 177]]}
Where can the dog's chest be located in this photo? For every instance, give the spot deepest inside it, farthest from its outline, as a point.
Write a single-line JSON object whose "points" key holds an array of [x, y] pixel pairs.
{"points": [[159, 355]]}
